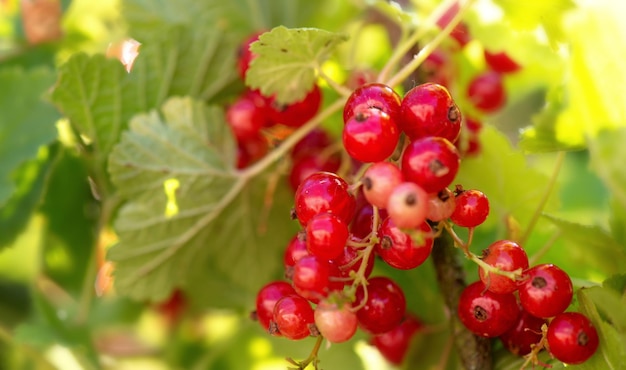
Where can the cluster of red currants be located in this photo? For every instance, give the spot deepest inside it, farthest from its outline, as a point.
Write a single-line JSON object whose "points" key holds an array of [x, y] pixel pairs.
{"points": [[253, 113], [532, 319]]}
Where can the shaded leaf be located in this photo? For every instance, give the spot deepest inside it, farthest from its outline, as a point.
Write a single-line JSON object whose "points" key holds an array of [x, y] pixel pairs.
{"points": [[618, 222], [609, 303], [26, 123], [608, 155], [287, 61], [617, 283]]}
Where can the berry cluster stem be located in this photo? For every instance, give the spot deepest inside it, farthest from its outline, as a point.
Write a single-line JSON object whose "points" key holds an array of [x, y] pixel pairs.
{"points": [[301, 365]]}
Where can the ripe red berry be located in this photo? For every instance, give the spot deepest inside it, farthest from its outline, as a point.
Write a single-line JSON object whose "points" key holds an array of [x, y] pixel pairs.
{"points": [[572, 338], [293, 317], [394, 344], [295, 250], [251, 150], [501, 62], [326, 236], [460, 32], [485, 313], [370, 135], [431, 163], [429, 110], [404, 249], [486, 91], [407, 205], [266, 299], [350, 261], [385, 306], [307, 164], [471, 210], [298, 113], [323, 192], [337, 323], [245, 55], [519, 338], [372, 95], [379, 180], [311, 277], [245, 118], [507, 256], [545, 291]]}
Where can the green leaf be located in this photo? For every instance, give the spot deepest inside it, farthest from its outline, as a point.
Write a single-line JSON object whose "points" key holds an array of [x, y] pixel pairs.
{"points": [[608, 155], [502, 173], [26, 122], [192, 221], [99, 97], [30, 178], [287, 61], [609, 303], [617, 283], [608, 255], [611, 352], [618, 222], [529, 15]]}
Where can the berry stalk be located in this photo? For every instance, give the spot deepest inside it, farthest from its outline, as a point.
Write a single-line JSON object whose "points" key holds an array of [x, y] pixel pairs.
{"points": [[474, 351]]}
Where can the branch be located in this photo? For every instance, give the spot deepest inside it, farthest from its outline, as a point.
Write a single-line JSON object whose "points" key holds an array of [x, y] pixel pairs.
{"points": [[474, 351]]}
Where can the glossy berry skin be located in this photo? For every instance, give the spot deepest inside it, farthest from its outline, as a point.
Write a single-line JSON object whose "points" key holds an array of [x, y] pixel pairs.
{"points": [[298, 113], [311, 277], [471, 210], [266, 299], [323, 192], [440, 205], [326, 236], [385, 306], [545, 290], [395, 343], [431, 163], [293, 317], [501, 62], [245, 118], [372, 95], [379, 180], [486, 91], [572, 338], [337, 323], [295, 250], [407, 205], [346, 263], [402, 250], [370, 136], [507, 256], [307, 164], [429, 110], [485, 313], [519, 338]]}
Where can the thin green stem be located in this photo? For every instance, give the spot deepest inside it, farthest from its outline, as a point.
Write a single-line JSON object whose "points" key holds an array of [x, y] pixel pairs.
{"points": [[312, 356], [410, 67], [544, 199], [340, 89], [286, 145], [532, 260], [405, 45]]}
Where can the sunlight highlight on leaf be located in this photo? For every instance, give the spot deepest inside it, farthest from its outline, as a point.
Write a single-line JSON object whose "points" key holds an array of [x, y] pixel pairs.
{"points": [[170, 186]]}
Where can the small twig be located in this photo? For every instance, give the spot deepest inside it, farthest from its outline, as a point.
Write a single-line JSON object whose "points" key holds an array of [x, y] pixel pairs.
{"points": [[312, 356]]}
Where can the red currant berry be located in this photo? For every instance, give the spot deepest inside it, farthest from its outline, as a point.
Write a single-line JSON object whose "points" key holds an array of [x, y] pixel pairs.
{"points": [[429, 110], [298, 113], [372, 95], [431, 163], [501, 62], [251, 150], [314, 142], [471, 210], [407, 205], [572, 338], [546, 290], [394, 344], [324, 192], [293, 318], [266, 300], [370, 136], [350, 261], [245, 55], [311, 277], [520, 338], [379, 180], [486, 91], [485, 313], [436, 68], [506, 256], [440, 205], [384, 308], [404, 249], [460, 32], [337, 323], [245, 118], [295, 250], [326, 235], [173, 308], [473, 125]]}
